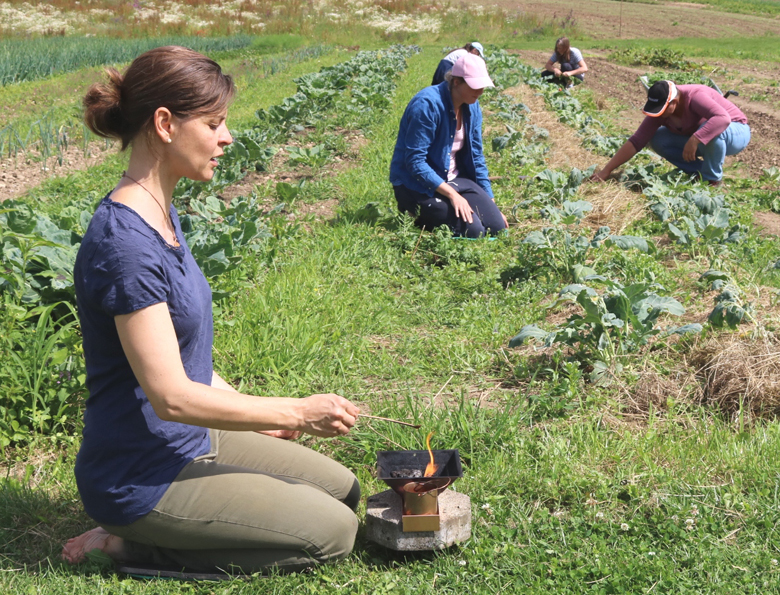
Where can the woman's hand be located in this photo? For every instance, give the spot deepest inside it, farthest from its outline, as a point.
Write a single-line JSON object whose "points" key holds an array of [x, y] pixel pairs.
{"points": [[599, 176], [557, 72], [328, 415], [506, 223], [282, 434], [462, 207]]}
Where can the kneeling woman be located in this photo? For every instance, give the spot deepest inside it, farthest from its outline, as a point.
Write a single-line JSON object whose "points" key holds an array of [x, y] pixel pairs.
{"points": [[438, 170], [176, 467]]}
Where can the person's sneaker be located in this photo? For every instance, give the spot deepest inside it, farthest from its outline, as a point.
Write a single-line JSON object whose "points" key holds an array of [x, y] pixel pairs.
{"points": [[715, 183]]}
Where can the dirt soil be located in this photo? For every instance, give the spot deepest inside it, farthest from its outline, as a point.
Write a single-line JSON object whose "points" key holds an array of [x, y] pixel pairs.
{"points": [[767, 224], [607, 19], [20, 174], [615, 88]]}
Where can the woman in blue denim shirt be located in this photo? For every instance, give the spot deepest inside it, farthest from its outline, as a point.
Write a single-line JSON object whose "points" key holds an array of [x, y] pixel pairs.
{"points": [[438, 170]]}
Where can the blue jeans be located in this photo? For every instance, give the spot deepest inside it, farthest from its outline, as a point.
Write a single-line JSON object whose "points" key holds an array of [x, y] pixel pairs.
{"points": [[710, 167], [433, 211], [565, 67]]}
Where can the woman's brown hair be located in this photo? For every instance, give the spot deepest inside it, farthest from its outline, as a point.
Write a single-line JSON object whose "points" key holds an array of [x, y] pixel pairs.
{"points": [[564, 43], [174, 77]]}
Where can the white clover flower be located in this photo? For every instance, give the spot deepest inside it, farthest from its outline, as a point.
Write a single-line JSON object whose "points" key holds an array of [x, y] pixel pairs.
{"points": [[624, 527], [694, 510], [599, 515], [675, 518], [773, 561], [689, 522], [486, 506], [462, 562], [651, 553]]}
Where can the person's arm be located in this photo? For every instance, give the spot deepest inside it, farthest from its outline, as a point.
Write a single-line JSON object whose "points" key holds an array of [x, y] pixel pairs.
{"points": [[582, 68], [717, 117], [424, 122], [477, 152], [624, 153], [218, 382], [550, 66], [149, 342], [462, 207]]}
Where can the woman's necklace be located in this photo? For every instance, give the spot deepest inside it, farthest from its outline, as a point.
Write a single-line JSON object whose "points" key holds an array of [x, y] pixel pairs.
{"points": [[167, 216]]}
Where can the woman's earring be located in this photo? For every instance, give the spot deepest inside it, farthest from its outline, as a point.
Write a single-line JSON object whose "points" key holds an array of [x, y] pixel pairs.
{"points": [[170, 140]]}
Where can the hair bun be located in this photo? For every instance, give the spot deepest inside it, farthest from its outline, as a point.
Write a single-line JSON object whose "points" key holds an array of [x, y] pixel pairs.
{"points": [[103, 106]]}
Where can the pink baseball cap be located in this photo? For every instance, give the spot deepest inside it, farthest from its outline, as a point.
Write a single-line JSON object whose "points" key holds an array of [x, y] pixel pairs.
{"points": [[473, 70]]}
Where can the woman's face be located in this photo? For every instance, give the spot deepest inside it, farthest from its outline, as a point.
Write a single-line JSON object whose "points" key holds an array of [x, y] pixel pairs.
{"points": [[474, 51], [197, 143], [465, 94], [560, 49]]}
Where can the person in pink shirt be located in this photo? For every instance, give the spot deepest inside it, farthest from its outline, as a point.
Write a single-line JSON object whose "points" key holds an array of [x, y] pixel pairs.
{"points": [[692, 126]]}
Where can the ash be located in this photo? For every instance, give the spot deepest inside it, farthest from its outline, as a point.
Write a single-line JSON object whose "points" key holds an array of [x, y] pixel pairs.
{"points": [[406, 473]]}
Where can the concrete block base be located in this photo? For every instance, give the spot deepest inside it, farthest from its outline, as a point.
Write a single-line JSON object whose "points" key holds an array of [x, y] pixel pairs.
{"points": [[384, 523]]}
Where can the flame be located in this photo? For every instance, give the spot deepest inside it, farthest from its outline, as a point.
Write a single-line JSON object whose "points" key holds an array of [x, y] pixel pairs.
{"points": [[430, 469]]}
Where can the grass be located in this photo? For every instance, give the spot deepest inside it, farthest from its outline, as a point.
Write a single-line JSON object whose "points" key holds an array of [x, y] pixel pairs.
{"points": [[732, 48], [568, 494]]}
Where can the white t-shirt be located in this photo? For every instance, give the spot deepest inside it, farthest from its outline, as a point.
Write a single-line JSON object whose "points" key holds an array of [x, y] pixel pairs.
{"points": [[457, 145], [575, 57], [456, 55]]}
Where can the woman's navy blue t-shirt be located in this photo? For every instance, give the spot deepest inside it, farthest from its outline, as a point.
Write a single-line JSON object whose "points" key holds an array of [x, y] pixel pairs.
{"points": [[128, 455]]}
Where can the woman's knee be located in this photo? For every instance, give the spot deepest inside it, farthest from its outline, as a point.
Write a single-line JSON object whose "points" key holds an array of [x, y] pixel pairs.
{"points": [[336, 536]]}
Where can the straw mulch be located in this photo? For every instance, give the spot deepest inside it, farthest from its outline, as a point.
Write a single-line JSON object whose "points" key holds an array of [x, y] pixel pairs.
{"points": [[740, 375], [655, 392], [613, 204]]}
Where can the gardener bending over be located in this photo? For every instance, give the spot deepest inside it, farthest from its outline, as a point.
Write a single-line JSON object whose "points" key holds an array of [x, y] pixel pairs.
{"points": [[163, 488], [438, 170], [447, 62], [571, 64], [692, 126]]}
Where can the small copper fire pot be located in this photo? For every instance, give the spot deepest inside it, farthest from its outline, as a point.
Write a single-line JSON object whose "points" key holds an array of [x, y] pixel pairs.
{"points": [[403, 470], [420, 502]]}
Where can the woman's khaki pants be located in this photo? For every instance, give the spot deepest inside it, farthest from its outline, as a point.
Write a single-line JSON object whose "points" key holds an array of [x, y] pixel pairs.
{"points": [[253, 503]]}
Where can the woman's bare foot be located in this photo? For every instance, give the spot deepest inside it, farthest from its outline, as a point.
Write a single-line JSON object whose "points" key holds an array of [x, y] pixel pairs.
{"points": [[77, 548]]}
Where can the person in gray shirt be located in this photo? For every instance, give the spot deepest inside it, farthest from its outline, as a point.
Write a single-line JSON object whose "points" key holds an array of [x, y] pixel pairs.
{"points": [[571, 63]]}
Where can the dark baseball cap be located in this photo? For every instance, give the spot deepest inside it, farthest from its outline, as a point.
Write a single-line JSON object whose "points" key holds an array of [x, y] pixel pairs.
{"points": [[658, 97]]}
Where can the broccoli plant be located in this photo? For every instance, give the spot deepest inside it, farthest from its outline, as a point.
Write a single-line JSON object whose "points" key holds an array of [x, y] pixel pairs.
{"points": [[730, 311], [613, 324], [557, 250]]}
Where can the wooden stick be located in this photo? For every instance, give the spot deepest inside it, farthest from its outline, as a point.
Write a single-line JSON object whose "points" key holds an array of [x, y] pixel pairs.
{"points": [[395, 421]]}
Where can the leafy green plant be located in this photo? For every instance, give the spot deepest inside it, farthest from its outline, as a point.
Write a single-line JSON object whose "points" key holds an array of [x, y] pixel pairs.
{"points": [[37, 258], [557, 186], [42, 374], [730, 311], [615, 323], [697, 218], [218, 235], [314, 157], [658, 57], [568, 256]]}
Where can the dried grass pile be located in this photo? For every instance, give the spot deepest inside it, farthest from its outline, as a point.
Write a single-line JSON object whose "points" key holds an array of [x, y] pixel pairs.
{"points": [[740, 374], [656, 392]]}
